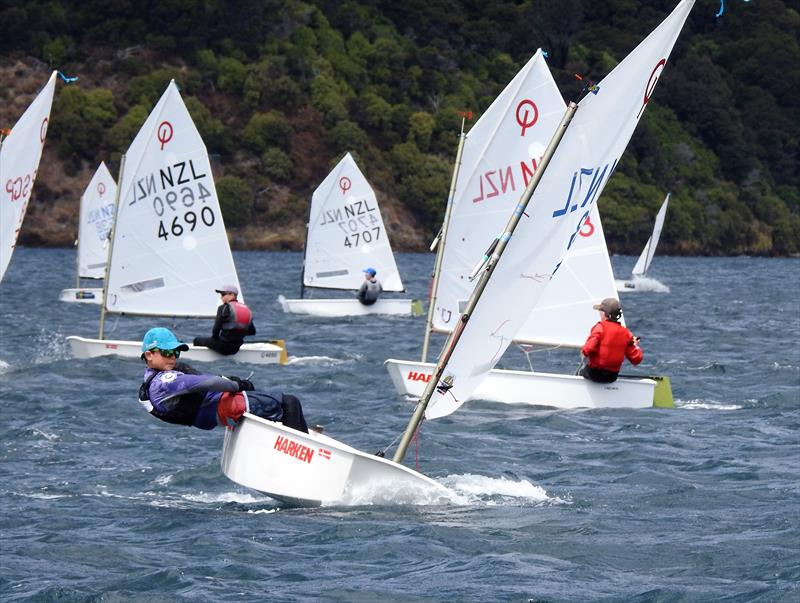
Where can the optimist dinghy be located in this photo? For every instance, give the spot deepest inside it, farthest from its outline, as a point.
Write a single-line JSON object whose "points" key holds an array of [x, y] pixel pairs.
{"points": [[495, 156], [534, 241], [346, 234], [169, 250], [20, 153], [94, 227], [639, 272]]}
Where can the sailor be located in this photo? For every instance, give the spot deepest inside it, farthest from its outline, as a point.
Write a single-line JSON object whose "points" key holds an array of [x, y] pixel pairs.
{"points": [[176, 393], [608, 344], [233, 322], [370, 289]]}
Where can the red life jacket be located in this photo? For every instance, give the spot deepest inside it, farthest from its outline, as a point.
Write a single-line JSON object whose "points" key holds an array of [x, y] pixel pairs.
{"points": [[608, 344], [239, 318]]}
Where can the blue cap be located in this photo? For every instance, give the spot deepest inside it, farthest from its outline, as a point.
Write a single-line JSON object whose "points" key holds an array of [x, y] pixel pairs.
{"points": [[163, 339], [370, 271]]}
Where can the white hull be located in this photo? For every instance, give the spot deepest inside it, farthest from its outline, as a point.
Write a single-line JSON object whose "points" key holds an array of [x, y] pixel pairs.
{"points": [[643, 284], [351, 307], [83, 295], [312, 469], [541, 389], [625, 286], [254, 353]]}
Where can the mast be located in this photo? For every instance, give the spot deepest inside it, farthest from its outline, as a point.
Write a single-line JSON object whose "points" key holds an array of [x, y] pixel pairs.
{"points": [[305, 251], [111, 248], [488, 264], [440, 240]]}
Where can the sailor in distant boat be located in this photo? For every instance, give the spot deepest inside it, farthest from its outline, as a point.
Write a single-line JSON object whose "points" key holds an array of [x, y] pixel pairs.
{"points": [[176, 393], [608, 344], [233, 322], [370, 289]]}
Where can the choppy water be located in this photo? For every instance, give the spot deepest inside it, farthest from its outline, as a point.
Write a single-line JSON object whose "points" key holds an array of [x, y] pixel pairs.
{"points": [[102, 503]]}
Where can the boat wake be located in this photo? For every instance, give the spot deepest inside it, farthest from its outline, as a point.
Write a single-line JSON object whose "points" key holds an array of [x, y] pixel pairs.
{"points": [[645, 283], [470, 489]]}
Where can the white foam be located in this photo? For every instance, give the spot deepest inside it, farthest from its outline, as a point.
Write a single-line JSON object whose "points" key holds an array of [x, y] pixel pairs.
{"points": [[226, 497], [492, 491], [4, 366], [315, 360], [705, 405], [459, 490]]}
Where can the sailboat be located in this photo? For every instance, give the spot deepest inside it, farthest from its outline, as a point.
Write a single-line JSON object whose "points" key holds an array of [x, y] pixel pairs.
{"points": [[168, 250], [94, 227], [20, 153], [484, 193], [636, 283], [289, 466], [345, 236]]}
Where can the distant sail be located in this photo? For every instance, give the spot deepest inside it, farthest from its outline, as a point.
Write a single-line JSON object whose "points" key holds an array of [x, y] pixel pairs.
{"points": [[94, 223], [19, 162], [170, 250], [346, 233], [643, 263]]}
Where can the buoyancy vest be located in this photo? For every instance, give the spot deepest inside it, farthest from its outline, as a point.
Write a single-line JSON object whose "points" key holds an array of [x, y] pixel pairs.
{"points": [[180, 410], [614, 343], [239, 318], [369, 294]]}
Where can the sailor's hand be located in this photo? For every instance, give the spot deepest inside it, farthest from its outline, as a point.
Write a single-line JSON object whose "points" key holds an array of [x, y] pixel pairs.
{"points": [[636, 341], [244, 385]]}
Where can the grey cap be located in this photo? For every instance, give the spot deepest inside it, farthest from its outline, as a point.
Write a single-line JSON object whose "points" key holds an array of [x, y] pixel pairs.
{"points": [[609, 305]]}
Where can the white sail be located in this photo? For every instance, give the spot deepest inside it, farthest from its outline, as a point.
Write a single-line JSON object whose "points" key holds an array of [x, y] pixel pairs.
{"points": [[346, 233], [580, 167], [170, 250], [500, 155], [564, 313], [643, 263], [94, 223], [19, 161]]}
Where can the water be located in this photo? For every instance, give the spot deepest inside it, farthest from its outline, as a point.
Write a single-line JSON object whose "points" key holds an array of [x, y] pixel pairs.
{"points": [[100, 502]]}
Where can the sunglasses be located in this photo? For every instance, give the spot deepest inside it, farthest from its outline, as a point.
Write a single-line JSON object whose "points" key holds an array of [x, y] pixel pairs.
{"points": [[169, 353]]}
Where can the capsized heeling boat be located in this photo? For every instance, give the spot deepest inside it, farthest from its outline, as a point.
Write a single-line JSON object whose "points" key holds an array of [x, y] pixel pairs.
{"points": [[467, 358], [169, 250], [20, 153], [98, 204], [346, 234], [637, 282]]}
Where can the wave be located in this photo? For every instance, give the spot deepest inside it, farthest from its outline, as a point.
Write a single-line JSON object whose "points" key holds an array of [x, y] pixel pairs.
{"points": [[315, 360]]}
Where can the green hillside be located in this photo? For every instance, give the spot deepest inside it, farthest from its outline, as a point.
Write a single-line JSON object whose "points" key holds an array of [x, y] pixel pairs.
{"points": [[280, 90]]}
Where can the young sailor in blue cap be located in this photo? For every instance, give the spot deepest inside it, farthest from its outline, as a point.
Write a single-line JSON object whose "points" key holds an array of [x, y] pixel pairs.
{"points": [[176, 393]]}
